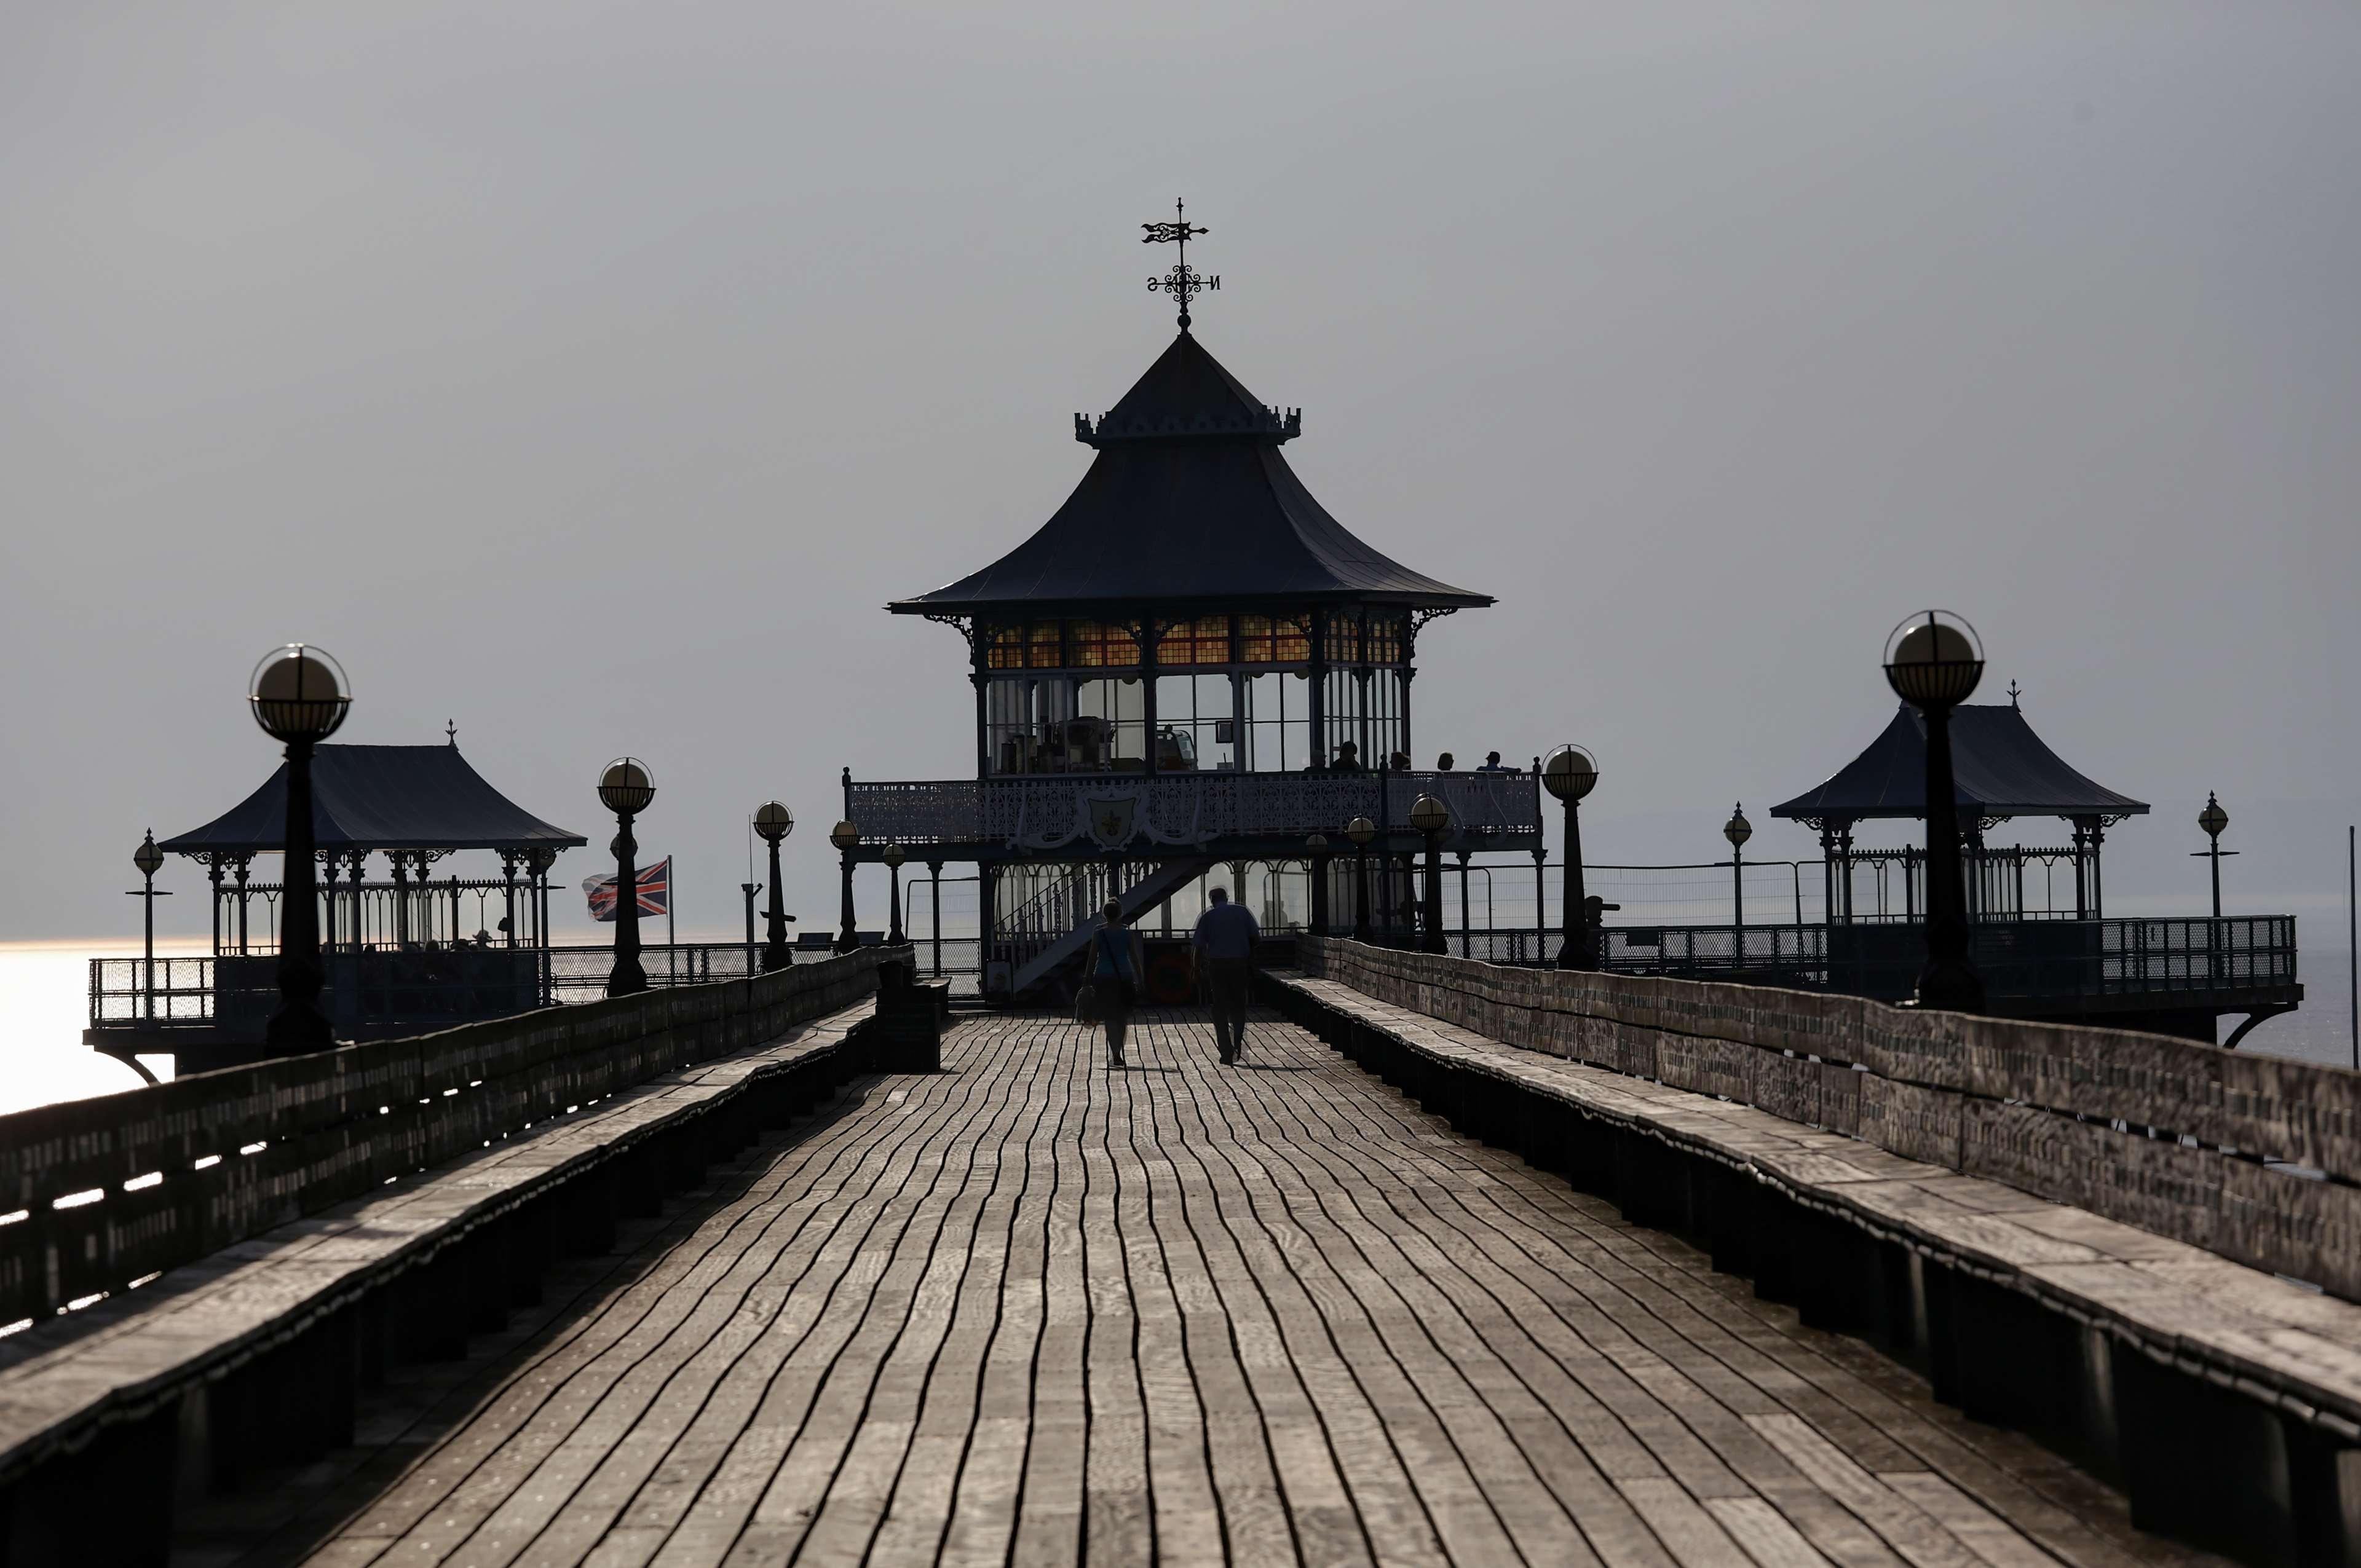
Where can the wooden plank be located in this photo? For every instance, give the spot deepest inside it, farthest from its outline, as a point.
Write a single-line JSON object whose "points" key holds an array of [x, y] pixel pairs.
{"points": [[1027, 1310], [251, 1289], [332, 1125]]}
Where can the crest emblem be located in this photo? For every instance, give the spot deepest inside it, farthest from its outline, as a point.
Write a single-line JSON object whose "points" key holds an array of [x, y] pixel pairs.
{"points": [[1112, 819]]}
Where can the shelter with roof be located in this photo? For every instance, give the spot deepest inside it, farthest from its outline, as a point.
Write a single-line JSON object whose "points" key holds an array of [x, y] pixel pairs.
{"points": [[2003, 771], [414, 804], [1190, 663], [1157, 609]]}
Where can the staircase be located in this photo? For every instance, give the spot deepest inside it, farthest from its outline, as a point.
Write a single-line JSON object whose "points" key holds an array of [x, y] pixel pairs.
{"points": [[1056, 923]]}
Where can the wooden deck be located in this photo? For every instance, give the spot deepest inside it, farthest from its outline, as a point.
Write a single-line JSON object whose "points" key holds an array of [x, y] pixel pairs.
{"points": [[1026, 1311]]}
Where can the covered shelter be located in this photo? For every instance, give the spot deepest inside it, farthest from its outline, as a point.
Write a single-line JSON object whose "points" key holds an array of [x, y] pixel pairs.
{"points": [[415, 805], [2003, 770], [1186, 591], [1191, 666]]}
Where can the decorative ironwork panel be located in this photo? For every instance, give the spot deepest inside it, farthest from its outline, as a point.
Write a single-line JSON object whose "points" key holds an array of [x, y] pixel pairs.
{"points": [[1051, 811], [942, 810], [1489, 804]]}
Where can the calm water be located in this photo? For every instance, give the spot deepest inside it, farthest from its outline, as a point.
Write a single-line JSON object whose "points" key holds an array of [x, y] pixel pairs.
{"points": [[44, 996]]}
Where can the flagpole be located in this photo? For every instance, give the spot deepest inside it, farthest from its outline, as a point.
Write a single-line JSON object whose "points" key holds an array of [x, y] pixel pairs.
{"points": [[672, 961]]}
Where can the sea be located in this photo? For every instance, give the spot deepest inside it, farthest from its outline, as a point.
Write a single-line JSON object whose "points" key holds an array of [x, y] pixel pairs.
{"points": [[45, 999]]}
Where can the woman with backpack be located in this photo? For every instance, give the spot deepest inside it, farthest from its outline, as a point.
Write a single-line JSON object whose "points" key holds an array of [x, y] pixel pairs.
{"points": [[1118, 963]]}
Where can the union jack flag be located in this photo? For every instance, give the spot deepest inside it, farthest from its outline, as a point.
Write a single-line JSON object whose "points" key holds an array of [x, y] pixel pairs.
{"points": [[655, 891]]}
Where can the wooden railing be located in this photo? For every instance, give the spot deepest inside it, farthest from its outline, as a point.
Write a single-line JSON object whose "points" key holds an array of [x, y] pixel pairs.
{"points": [[98, 1194], [2253, 1157]]}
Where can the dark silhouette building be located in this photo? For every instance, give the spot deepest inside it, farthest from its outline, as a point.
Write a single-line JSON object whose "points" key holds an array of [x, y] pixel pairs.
{"points": [[1192, 663]]}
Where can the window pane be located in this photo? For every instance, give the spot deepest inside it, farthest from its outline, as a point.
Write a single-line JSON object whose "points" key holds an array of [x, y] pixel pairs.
{"points": [[1098, 646], [1274, 640], [1205, 641]]}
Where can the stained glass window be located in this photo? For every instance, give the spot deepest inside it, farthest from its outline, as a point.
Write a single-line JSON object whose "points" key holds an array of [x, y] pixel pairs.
{"points": [[1205, 641], [1344, 636], [1384, 637], [1098, 646], [1273, 640], [1005, 651], [1038, 646]]}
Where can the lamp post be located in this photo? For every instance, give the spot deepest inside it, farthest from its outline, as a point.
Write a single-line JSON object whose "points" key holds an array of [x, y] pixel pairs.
{"points": [[846, 837], [2213, 819], [935, 916], [1569, 773], [300, 697], [626, 788], [894, 859], [753, 961], [1359, 831], [1933, 662], [1430, 817], [1318, 846], [774, 822], [1738, 830], [150, 860]]}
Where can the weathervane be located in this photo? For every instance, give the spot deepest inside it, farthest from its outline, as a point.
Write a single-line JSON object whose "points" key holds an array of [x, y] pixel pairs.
{"points": [[1180, 283]]}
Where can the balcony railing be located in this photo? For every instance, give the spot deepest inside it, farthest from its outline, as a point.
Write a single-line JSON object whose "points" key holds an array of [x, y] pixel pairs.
{"points": [[2019, 959], [376, 988], [1047, 812]]}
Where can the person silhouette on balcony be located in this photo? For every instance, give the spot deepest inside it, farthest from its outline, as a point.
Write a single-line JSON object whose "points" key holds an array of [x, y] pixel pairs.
{"points": [[1348, 759]]}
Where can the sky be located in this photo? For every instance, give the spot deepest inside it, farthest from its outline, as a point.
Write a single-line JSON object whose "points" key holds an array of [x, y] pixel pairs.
{"points": [[589, 375]]}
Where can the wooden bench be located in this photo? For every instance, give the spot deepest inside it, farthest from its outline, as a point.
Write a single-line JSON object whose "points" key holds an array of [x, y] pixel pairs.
{"points": [[2225, 1399], [256, 1353]]}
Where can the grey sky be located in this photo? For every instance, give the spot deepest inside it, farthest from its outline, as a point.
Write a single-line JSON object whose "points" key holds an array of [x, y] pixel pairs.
{"points": [[591, 373]]}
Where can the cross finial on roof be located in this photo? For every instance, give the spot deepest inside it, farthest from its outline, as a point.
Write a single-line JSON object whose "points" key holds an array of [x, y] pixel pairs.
{"points": [[450, 730], [2013, 692], [1180, 283]]}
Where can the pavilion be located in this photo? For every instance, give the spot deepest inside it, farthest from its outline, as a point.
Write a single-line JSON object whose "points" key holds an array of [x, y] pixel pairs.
{"points": [[2003, 771], [2174, 975], [415, 805], [399, 954], [1190, 662]]}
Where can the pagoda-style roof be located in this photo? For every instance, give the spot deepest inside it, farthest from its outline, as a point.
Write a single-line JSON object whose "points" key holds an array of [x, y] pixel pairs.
{"points": [[2001, 767], [380, 797], [1188, 502]]}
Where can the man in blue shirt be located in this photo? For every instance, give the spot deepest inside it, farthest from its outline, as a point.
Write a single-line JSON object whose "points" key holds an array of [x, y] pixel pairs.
{"points": [[1224, 945]]}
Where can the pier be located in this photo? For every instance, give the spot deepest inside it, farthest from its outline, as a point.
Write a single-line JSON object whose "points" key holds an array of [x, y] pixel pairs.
{"points": [[1465, 1263], [1938, 1232]]}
